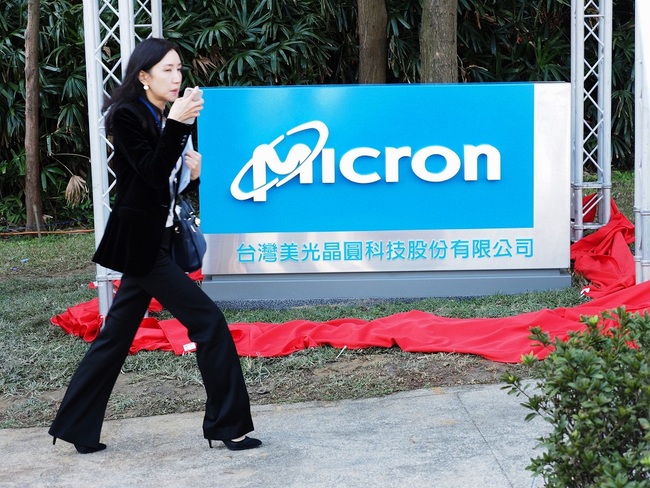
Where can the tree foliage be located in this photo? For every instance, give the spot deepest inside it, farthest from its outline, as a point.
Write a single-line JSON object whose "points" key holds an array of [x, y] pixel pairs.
{"points": [[524, 40], [271, 42], [63, 124]]}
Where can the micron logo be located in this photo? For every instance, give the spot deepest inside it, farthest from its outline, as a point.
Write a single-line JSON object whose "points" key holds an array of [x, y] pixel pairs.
{"points": [[269, 171]]}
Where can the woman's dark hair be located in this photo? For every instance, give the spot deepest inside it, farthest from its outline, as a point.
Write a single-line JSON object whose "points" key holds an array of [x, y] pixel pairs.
{"points": [[144, 57]]}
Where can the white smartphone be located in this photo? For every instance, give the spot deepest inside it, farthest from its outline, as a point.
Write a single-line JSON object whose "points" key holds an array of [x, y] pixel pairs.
{"points": [[197, 96]]}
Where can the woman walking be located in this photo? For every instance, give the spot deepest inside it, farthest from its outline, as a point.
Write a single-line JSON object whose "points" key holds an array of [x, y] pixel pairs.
{"points": [[149, 156]]}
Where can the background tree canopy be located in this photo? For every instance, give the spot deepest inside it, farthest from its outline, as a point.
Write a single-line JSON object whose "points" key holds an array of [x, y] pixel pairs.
{"points": [[267, 42]]}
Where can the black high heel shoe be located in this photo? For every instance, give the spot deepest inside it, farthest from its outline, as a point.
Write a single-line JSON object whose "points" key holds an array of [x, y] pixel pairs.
{"points": [[245, 443], [81, 449]]}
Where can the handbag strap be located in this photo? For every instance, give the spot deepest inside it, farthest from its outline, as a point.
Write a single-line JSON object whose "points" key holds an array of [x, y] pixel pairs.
{"points": [[177, 182], [176, 194]]}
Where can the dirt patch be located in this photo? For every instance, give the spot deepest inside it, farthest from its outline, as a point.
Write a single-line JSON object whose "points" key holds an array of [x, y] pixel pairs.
{"points": [[360, 375], [369, 375], [377, 374]]}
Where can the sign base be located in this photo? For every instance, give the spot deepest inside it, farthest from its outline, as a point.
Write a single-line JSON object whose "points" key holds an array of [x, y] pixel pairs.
{"points": [[394, 285]]}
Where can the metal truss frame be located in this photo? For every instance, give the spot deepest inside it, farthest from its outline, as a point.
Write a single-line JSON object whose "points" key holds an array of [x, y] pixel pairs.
{"points": [[591, 82], [111, 30], [642, 142]]}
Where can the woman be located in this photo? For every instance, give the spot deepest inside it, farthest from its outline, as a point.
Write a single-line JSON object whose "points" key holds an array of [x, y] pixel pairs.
{"points": [[148, 142]]}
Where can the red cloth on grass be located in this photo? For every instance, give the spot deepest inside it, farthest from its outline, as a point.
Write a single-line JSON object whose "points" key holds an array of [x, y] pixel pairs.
{"points": [[497, 339], [82, 320], [603, 257]]}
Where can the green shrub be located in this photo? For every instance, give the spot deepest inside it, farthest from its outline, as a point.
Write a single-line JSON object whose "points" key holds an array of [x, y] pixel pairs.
{"points": [[594, 390]]}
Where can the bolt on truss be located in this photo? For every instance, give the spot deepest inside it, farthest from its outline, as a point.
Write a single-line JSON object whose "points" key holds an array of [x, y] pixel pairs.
{"points": [[591, 60], [111, 28]]}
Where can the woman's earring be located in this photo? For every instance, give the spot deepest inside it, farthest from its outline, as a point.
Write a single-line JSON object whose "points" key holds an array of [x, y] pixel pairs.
{"points": [[146, 87]]}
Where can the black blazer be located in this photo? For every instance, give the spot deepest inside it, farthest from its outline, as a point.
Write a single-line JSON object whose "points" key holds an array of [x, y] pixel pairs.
{"points": [[143, 160]]}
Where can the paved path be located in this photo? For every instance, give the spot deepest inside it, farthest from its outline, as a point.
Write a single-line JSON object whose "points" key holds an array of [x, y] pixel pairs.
{"points": [[466, 437]]}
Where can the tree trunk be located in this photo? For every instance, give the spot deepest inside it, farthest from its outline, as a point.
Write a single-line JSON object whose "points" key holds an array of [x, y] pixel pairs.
{"points": [[33, 201], [438, 44], [373, 58]]}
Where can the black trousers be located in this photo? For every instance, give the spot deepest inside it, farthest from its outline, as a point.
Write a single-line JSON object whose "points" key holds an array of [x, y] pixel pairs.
{"points": [[227, 409]]}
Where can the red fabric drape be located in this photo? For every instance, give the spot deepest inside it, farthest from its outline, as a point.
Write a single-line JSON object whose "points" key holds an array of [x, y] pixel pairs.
{"points": [[603, 258]]}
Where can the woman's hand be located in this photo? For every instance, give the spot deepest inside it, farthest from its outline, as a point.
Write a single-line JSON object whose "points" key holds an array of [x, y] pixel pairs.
{"points": [[193, 162], [186, 108]]}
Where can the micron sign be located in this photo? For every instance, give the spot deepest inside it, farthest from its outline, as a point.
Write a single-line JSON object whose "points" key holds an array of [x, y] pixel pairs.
{"points": [[269, 170], [344, 190], [385, 177]]}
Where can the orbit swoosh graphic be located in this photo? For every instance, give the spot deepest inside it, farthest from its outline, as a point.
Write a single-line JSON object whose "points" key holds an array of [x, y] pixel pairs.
{"points": [[300, 156]]}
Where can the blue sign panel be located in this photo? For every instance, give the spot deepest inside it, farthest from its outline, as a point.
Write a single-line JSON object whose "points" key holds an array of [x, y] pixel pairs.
{"points": [[367, 158]]}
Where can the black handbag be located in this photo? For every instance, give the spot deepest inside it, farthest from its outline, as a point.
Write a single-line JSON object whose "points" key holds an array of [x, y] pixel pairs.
{"points": [[188, 244]]}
